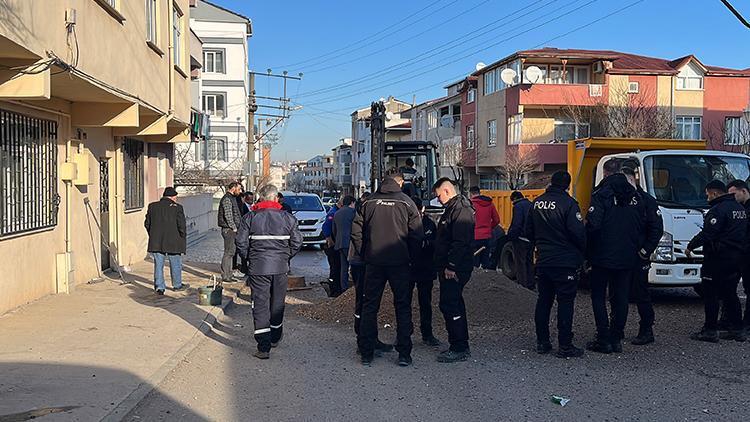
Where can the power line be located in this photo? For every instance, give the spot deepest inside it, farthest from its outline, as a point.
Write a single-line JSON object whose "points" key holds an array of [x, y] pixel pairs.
{"points": [[737, 14], [440, 65], [362, 39], [546, 42], [431, 28], [386, 35], [425, 55]]}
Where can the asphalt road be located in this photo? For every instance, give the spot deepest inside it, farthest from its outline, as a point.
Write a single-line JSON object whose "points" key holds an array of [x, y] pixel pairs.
{"points": [[315, 373]]}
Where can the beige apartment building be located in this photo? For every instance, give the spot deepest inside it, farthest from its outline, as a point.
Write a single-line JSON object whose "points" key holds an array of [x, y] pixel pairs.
{"points": [[93, 96]]}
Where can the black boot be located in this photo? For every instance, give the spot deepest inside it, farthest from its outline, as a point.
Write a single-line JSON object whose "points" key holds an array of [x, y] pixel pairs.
{"points": [[736, 335], [711, 336], [600, 346], [543, 347], [645, 336]]}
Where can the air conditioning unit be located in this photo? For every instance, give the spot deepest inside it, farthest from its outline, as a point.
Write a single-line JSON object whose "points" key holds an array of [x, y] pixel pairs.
{"points": [[598, 67]]}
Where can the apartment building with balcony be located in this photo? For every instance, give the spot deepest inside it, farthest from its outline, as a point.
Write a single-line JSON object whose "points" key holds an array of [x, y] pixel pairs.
{"points": [[397, 128], [534, 118], [319, 174], [93, 97], [342, 166], [439, 121], [224, 87]]}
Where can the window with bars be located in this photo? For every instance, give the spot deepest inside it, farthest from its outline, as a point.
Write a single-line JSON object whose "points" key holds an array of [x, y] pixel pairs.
{"points": [[28, 173], [134, 163]]}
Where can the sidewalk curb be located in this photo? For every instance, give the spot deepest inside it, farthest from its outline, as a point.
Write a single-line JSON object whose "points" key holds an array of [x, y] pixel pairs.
{"points": [[129, 403]]}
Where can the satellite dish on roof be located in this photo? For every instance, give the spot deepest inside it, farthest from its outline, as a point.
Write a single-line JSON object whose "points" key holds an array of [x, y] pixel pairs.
{"points": [[533, 74], [508, 76], [480, 66], [389, 116]]}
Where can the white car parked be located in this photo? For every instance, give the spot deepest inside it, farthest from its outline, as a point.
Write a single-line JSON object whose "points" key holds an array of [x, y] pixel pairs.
{"points": [[310, 213]]}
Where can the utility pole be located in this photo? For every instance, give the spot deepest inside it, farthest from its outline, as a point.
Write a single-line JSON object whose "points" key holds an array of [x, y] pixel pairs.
{"points": [[250, 156], [377, 132], [254, 141]]}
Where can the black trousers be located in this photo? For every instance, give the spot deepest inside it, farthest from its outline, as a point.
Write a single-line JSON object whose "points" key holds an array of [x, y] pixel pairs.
{"points": [[561, 284], [358, 278], [721, 287], [746, 287], [454, 309], [424, 297], [334, 270], [268, 296], [618, 283], [641, 296], [522, 259], [376, 276]]}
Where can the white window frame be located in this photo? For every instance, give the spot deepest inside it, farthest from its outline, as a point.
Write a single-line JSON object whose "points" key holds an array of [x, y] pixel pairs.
{"points": [[152, 19], [471, 96], [432, 120], [489, 82], [689, 73], [515, 129], [577, 129], [470, 137], [177, 35], [634, 87], [733, 130], [682, 122], [213, 153], [213, 112], [215, 52], [491, 133]]}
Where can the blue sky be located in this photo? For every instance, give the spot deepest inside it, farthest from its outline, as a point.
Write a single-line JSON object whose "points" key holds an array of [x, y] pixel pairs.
{"points": [[406, 48]]}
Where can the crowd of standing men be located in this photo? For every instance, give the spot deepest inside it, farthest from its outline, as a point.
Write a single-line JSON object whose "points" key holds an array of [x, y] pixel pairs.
{"points": [[386, 238]]}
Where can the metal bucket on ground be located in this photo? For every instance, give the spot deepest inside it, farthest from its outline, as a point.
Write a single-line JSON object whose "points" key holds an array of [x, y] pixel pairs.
{"points": [[210, 295]]}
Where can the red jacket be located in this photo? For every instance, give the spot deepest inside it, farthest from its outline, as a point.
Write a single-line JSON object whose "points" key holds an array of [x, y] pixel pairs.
{"points": [[485, 216]]}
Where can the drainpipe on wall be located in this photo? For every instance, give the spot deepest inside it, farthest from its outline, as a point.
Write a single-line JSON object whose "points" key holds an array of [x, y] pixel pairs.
{"points": [[170, 59]]}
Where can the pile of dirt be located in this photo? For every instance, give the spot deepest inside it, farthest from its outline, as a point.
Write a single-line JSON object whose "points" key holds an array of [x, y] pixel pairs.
{"points": [[340, 310], [495, 305]]}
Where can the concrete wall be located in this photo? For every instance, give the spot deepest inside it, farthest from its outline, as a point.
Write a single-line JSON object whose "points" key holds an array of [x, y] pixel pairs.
{"points": [[199, 215]]}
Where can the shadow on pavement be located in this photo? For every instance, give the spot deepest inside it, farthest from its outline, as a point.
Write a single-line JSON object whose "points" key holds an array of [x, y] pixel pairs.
{"points": [[30, 390]]}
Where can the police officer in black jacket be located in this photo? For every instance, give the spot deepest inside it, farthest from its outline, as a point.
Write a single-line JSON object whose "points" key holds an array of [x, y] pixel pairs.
{"points": [[651, 234], [614, 226], [386, 233], [742, 194], [454, 262], [555, 227], [723, 240], [423, 275]]}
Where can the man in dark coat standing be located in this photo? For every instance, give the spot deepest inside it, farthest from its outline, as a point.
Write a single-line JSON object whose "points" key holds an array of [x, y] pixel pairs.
{"points": [[341, 230], [229, 217], [268, 237], [454, 263], [386, 234], [165, 224], [522, 249]]}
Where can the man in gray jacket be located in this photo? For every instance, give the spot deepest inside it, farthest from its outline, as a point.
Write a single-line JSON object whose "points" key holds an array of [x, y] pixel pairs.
{"points": [[268, 237], [342, 234], [229, 222]]}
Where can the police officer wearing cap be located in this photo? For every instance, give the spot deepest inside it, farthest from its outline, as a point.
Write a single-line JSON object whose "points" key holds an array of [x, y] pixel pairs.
{"points": [[650, 236], [614, 226], [723, 241], [555, 227]]}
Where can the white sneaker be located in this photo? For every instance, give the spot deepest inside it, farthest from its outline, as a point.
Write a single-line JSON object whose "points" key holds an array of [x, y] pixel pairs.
{"points": [[238, 274]]}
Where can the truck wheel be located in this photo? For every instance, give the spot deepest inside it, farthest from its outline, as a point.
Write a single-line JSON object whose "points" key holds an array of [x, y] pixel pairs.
{"points": [[507, 264]]}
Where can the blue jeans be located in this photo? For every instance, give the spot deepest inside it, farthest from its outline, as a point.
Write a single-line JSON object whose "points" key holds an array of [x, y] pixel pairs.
{"points": [[175, 269]]}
